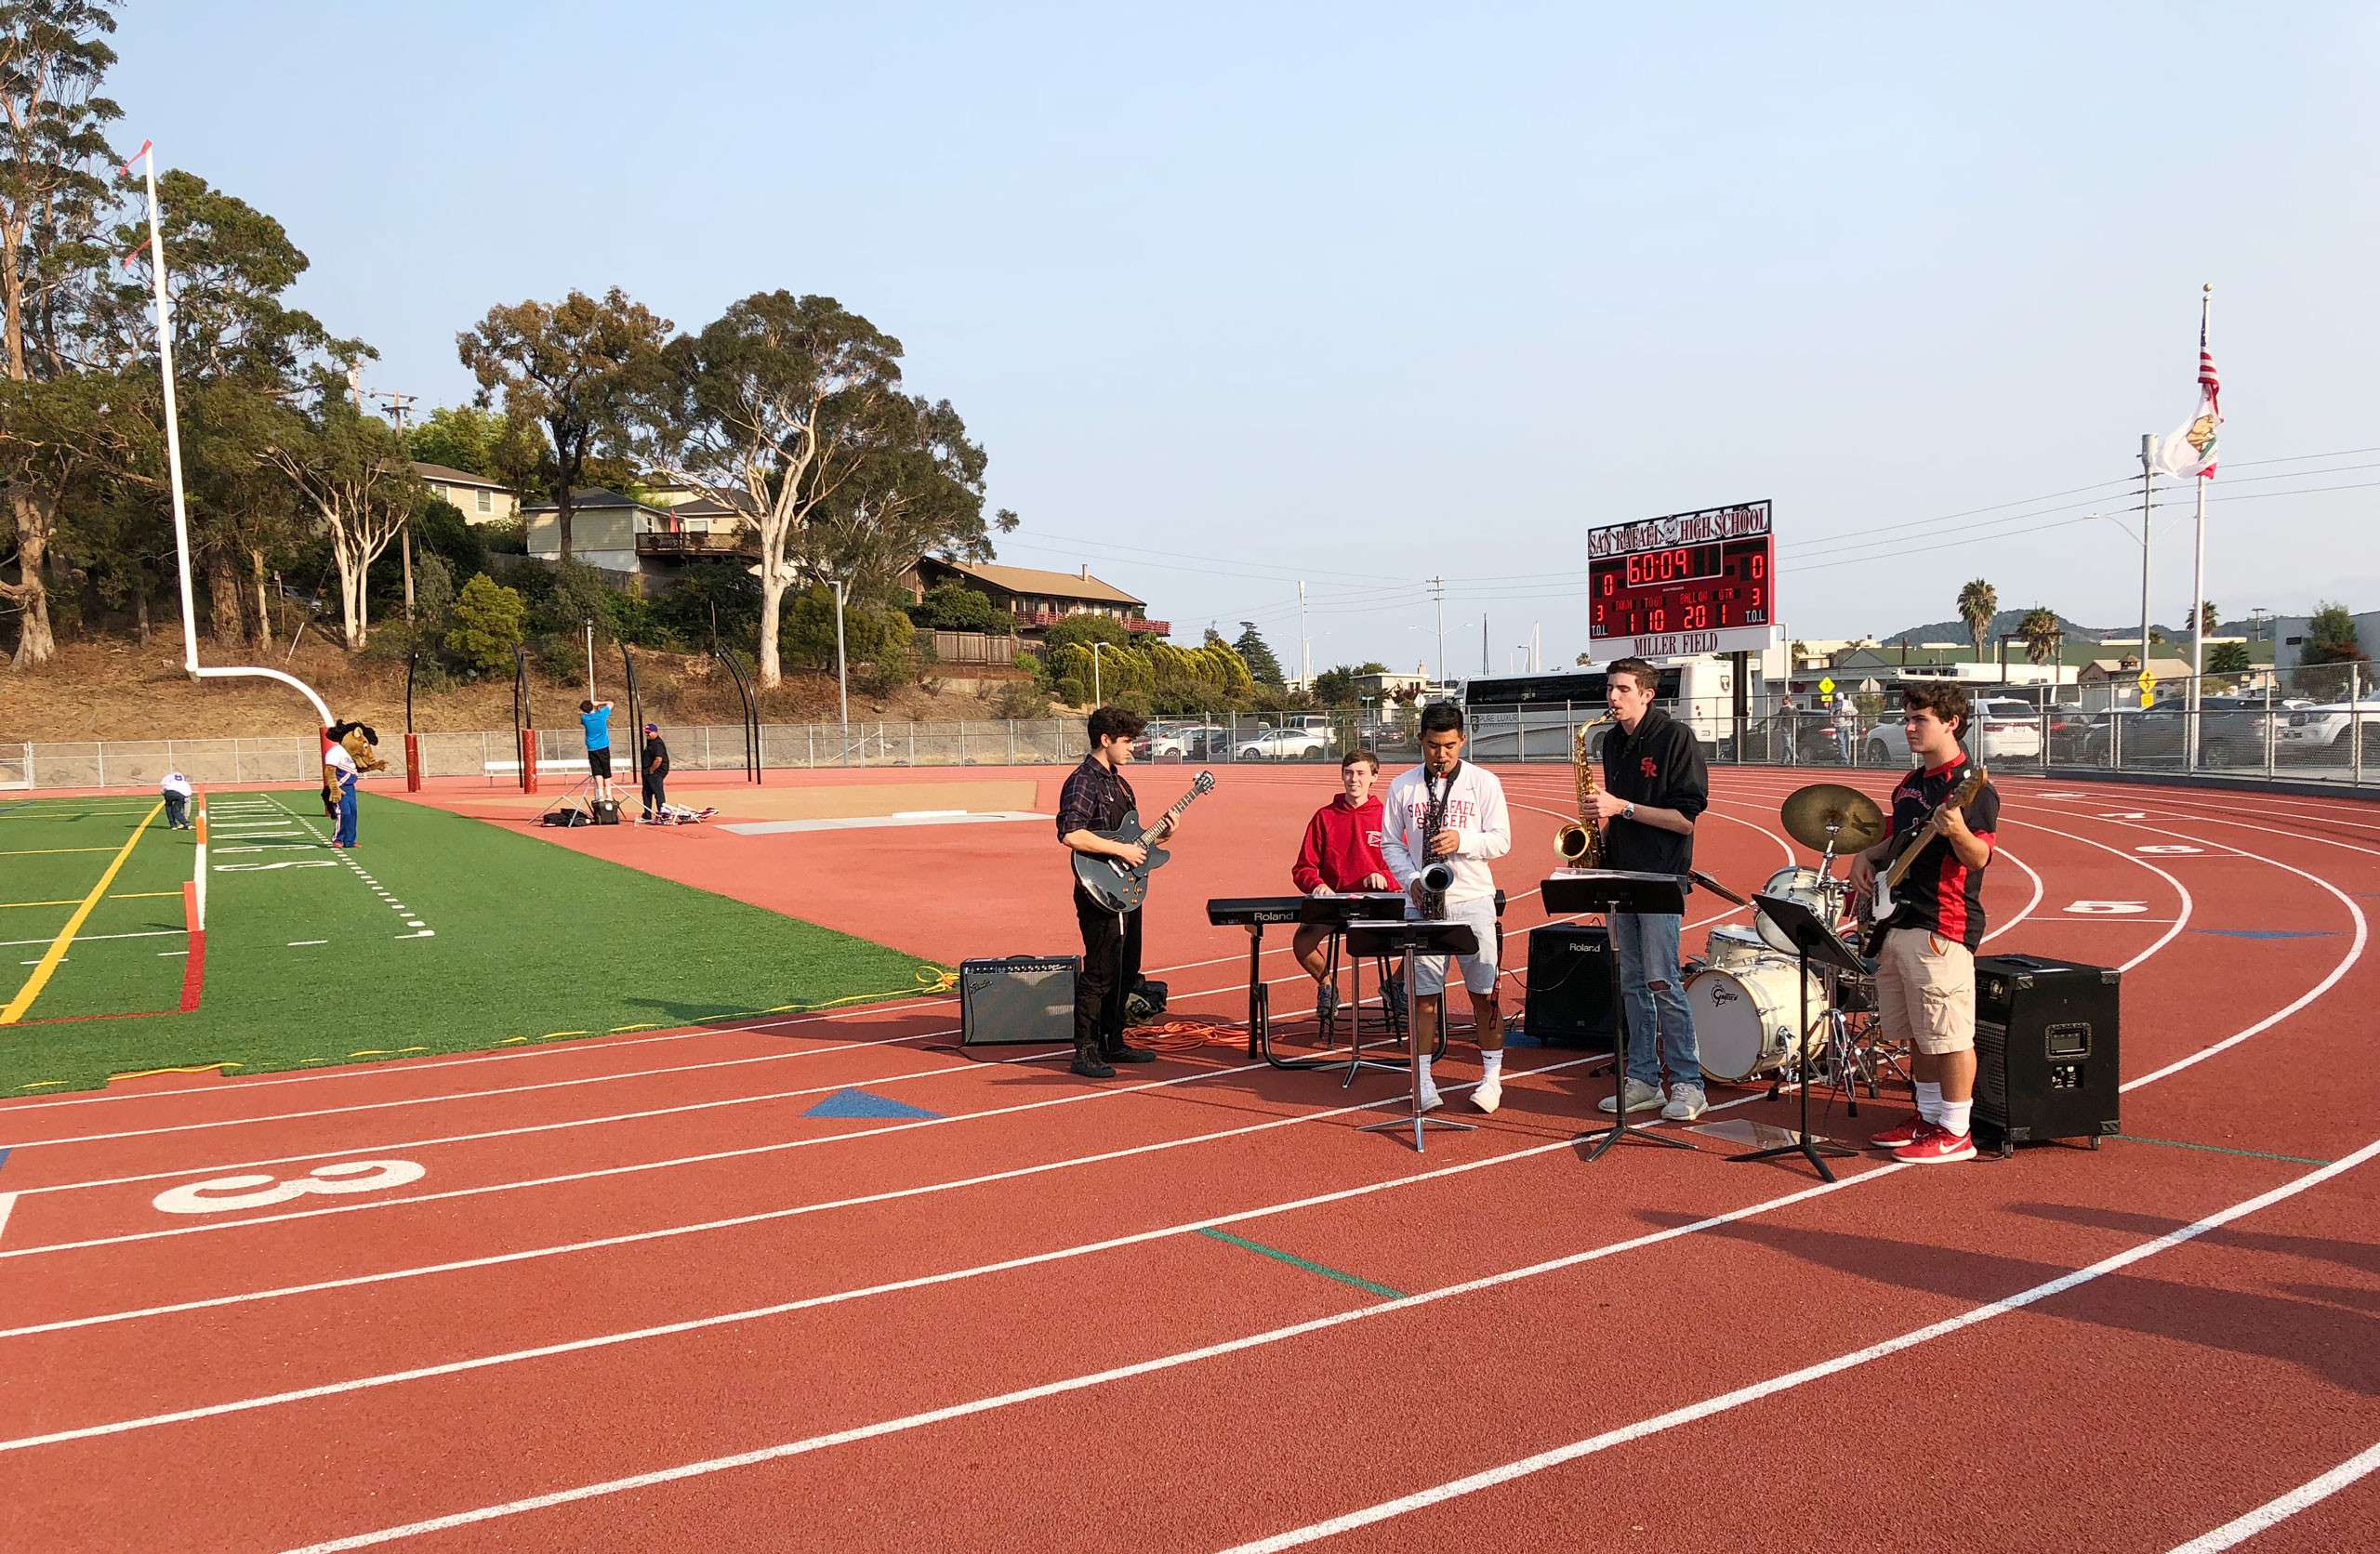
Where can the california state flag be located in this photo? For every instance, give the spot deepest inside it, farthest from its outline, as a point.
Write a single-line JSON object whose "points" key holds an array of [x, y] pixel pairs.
{"points": [[2190, 452]]}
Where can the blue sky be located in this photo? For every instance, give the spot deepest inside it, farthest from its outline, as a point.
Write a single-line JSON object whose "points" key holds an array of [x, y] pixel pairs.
{"points": [[1242, 295]]}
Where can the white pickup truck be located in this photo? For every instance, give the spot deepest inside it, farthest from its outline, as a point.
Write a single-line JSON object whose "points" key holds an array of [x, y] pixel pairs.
{"points": [[2323, 731]]}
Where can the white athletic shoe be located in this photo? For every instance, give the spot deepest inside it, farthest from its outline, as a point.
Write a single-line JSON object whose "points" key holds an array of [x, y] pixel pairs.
{"points": [[1491, 1093], [1641, 1098], [1431, 1099], [1686, 1102]]}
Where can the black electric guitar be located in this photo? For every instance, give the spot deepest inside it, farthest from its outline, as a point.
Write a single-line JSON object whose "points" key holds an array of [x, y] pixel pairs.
{"points": [[1116, 885], [1878, 909]]}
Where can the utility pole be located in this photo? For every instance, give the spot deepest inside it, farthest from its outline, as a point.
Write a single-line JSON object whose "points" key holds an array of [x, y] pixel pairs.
{"points": [[398, 404], [2148, 477], [1305, 645], [1483, 641], [1438, 592]]}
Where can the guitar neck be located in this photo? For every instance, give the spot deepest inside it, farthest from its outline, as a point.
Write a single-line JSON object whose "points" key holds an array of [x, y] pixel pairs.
{"points": [[1149, 832]]}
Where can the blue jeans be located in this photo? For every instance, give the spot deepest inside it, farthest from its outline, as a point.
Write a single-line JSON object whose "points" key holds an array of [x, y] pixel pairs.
{"points": [[1648, 946], [345, 835]]}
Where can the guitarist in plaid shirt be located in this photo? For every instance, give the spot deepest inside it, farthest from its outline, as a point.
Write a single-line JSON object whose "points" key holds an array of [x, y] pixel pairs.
{"points": [[1094, 799], [1925, 968]]}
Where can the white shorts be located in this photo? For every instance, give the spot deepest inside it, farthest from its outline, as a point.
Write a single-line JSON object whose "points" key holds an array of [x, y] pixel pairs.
{"points": [[1480, 971]]}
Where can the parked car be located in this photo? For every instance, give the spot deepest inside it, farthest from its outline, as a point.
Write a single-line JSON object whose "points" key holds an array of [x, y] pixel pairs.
{"points": [[2323, 731], [1284, 745], [1183, 741], [2231, 733], [2006, 727]]}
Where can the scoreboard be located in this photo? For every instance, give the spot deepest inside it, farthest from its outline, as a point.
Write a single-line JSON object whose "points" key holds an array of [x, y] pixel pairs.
{"points": [[1689, 583]]}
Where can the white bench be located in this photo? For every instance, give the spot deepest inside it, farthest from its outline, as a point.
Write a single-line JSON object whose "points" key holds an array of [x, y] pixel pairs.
{"points": [[513, 769]]}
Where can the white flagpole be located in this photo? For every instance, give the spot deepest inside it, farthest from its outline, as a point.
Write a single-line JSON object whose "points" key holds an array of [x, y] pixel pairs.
{"points": [[2197, 568], [148, 157]]}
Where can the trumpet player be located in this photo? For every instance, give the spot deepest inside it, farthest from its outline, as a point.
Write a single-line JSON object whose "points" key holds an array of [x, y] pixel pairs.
{"points": [[1443, 821], [1654, 787]]}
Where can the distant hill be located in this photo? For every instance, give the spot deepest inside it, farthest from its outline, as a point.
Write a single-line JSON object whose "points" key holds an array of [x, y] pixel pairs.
{"points": [[2009, 620]]}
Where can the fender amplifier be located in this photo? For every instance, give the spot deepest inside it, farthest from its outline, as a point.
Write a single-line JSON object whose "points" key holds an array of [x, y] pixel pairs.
{"points": [[2045, 1048], [1018, 1001], [1569, 988]]}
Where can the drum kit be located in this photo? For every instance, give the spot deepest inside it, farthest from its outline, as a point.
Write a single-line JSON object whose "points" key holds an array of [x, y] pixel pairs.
{"points": [[1745, 989]]}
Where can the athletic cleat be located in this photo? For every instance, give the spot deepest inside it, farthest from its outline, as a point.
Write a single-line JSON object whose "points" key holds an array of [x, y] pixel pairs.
{"points": [[1936, 1146], [1900, 1134]]}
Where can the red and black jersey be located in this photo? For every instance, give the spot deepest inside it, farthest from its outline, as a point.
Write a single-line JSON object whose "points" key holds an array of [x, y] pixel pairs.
{"points": [[1941, 894]]}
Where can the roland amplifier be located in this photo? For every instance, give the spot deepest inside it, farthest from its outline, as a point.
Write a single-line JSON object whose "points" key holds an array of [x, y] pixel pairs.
{"points": [[1018, 1001], [1569, 988], [2045, 1048]]}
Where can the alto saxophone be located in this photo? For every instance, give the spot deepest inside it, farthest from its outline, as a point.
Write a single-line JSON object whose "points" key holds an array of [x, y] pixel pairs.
{"points": [[1579, 845]]}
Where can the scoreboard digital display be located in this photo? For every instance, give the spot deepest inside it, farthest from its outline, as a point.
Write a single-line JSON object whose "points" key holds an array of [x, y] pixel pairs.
{"points": [[1689, 583]]}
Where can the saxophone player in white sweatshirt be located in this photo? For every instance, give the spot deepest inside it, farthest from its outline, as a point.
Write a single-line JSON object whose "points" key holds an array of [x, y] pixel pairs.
{"points": [[1447, 811]]}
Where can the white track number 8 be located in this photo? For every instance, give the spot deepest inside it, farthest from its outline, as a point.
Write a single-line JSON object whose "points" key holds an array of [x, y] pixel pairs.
{"points": [[224, 1195]]}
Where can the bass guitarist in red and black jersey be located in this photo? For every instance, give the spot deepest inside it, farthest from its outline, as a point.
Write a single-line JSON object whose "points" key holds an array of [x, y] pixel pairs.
{"points": [[1926, 965]]}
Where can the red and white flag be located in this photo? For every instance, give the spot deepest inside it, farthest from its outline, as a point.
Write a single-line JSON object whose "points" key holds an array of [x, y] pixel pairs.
{"points": [[2190, 452]]}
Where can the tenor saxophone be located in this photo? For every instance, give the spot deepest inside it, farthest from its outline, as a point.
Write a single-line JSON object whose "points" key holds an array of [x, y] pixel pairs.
{"points": [[1579, 844]]}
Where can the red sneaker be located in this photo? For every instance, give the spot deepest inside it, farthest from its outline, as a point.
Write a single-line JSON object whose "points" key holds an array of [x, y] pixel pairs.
{"points": [[1900, 1134], [1936, 1146]]}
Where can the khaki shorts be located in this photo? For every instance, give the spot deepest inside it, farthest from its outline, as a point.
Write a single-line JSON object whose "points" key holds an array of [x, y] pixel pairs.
{"points": [[1926, 991]]}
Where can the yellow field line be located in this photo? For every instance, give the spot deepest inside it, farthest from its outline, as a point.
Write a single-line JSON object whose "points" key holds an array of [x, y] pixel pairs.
{"points": [[121, 896], [56, 950]]}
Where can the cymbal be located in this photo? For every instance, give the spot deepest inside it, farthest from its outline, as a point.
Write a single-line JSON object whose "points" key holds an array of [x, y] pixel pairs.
{"points": [[1810, 812]]}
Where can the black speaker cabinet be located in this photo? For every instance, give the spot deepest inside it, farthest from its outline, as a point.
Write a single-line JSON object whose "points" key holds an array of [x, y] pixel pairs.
{"points": [[1569, 988], [1019, 1001], [2045, 1048]]}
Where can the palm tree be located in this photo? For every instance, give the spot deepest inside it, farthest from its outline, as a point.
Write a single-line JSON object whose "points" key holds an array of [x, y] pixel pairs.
{"points": [[2042, 633], [1978, 603], [2206, 617]]}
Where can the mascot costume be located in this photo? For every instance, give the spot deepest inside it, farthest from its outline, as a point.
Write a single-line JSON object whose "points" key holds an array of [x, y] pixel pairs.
{"points": [[348, 751]]}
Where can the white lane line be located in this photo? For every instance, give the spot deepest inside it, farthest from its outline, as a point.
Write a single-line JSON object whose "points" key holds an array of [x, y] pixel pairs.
{"points": [[2273, 1512], [95, 938], [796, 1211], [1144, 1367], [1539, 1462]]}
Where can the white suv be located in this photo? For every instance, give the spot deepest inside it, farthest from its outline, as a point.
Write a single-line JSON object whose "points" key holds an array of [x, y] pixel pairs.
{"points": [[1286, 744], [2005, 728], [2315, 732]]}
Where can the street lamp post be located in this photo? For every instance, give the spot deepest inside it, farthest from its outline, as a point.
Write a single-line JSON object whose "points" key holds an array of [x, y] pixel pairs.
{"points": [[1098, 697], [2141, 540]]}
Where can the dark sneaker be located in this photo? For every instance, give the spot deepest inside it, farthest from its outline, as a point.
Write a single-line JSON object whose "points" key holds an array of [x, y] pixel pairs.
{"points": [[1091, 1068], [1121, 1053]]}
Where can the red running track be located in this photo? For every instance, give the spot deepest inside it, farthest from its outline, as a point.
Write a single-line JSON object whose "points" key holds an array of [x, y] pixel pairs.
{"points": [[637, 1298]]}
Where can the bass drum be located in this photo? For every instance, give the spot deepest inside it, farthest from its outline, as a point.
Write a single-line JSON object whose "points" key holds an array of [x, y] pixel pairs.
{"points": [[1824, 897], [1744, 1019]]}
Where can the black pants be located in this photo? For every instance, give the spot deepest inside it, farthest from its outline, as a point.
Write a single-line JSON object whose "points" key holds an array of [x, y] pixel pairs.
{"points": [[1111, 968], [653, 798]]}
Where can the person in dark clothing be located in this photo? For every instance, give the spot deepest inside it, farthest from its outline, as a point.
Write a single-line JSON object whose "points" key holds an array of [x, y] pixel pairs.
{"points": [[656, 772], [1654, 786], [1094, 799]]}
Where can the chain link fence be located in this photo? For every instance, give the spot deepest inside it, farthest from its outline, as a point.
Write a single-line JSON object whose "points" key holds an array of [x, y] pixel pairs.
{"points": [[2317, 725]]}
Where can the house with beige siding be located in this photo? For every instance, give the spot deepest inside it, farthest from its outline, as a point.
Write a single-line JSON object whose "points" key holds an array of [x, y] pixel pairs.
{"points": [[479, 499]]}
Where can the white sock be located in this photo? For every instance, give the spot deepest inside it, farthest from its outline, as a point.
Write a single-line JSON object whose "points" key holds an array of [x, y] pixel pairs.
{"points": [[1929, 1101], [1491, 1063], [1427, 1083], [1955, 1116]]}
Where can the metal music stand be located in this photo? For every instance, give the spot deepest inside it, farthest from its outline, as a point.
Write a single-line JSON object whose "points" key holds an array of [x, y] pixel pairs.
{"points": [[1813, 942], [1610, 891], [1406, 939]]}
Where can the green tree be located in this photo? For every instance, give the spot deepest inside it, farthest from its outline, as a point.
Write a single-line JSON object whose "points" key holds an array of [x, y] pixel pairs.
{"points": [[2228, 658], [878, 636], [573, 368], [712, 604], [484, 443], [53, 144], [1978, 606], [2042, 633], [1086, 629], [489, 622], [1258, 656], [1336, 687], [956, 607], [2207, 617], [351, 471], [2331, 650]]}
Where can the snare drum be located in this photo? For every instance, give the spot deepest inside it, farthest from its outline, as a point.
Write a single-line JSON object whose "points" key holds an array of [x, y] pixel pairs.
{"points": [[1733, 946], [1822, 895], [1744, 1019]]}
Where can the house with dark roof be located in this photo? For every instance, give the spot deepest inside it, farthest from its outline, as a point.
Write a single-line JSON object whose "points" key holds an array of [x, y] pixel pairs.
{"points": [[1039, 600], [479, 499]]}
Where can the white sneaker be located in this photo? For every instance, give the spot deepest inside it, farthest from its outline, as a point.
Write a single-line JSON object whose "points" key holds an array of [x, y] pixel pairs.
{"points": [[1641, 1098], [1431, 1099], [1491, 1093], [1686, 1102]]}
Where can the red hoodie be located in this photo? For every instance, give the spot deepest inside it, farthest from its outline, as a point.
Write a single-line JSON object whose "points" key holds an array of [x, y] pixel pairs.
{"points": [[1341, 846]]}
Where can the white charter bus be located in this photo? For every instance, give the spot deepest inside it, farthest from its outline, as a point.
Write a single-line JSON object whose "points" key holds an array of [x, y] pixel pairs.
{"points": [[1533, 718]]}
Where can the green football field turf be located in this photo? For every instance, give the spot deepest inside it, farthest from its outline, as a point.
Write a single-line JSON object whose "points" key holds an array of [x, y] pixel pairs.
{"points": [[465, 936]]}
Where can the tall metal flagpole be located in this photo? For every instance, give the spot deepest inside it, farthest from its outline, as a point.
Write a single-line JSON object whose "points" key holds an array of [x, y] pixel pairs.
{"points": [[148, 156], [2147, 480], [2197, 568]]}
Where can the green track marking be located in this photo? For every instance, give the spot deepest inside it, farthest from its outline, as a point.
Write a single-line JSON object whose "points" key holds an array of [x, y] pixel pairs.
{"points": [[1295, 1261], [2222, 1149]]}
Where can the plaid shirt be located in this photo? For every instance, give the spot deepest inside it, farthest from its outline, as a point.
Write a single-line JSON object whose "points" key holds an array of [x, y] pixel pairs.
{"points": [[1093, 799]]}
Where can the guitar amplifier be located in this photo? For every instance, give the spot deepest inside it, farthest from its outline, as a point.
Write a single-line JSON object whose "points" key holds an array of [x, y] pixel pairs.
{"points": [[1569, 988], [1018, 1001], [2045, 1045]]}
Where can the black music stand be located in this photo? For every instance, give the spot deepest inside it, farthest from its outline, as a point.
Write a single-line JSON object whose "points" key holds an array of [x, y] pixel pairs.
{"points": [[1610, 891], [1406, 939], [1813, 942]]}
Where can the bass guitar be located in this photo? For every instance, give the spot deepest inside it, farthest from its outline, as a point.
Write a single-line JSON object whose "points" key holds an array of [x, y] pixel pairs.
{"points": [[1878, 909], [1118, 886]]}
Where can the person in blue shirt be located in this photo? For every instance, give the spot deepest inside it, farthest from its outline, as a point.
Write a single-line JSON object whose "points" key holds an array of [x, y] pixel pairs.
{"points": [[596, 718]]}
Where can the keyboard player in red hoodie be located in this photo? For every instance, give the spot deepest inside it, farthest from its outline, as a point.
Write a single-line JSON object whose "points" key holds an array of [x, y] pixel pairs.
{"points": [[1341, 853]]}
